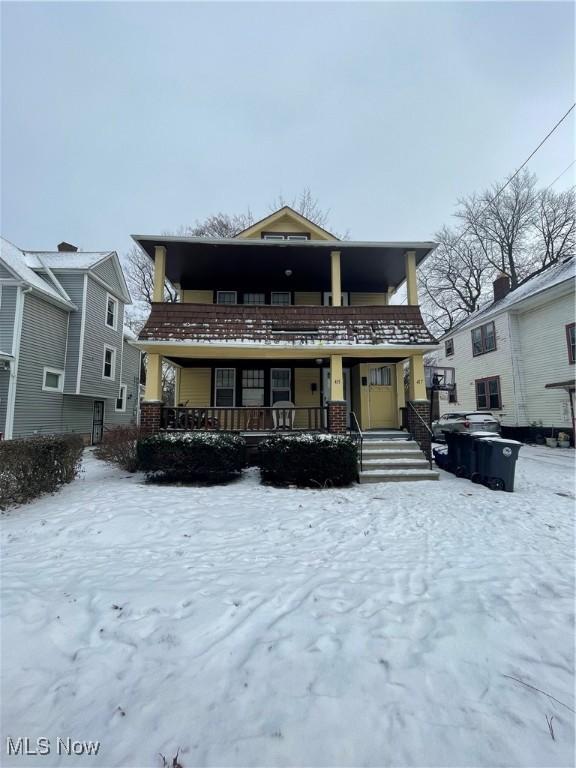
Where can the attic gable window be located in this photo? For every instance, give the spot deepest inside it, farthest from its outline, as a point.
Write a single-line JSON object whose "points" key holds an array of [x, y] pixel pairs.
{"points": [[111, 312], [285, 236], [483, 339]]}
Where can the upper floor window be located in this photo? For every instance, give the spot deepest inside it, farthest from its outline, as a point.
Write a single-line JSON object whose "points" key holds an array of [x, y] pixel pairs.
{"points": [[226, 297], [111, 312], [571, 341], [121, 399], [254, 298], [109, 363], [483, 339], [280, 297], [53, 380], [285, 236], [488, 393], [449, 347]]}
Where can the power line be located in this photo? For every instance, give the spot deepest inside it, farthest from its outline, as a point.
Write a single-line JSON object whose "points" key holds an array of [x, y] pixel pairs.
{"points": [[560, 175], [516, 172]]}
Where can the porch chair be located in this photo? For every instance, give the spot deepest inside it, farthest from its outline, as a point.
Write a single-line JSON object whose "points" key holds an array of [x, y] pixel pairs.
{"points": [[284, 416]]}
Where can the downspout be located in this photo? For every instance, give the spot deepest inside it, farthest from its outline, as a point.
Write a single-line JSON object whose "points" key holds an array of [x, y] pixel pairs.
{"points": [[16, 339]]}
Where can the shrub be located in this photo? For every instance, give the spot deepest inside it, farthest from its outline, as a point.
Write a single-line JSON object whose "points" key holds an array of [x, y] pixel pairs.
{"points": [[317, 460], [32, 466], [211, 457], [118, 446]]}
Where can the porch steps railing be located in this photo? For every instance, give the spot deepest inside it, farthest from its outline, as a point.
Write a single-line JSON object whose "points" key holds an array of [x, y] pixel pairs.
{"points": [[393, 460]]}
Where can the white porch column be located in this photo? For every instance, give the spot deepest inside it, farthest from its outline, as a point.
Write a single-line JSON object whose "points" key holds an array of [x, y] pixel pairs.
{"points": [[400, 391], [411, 285], [159, 272], [336, 281]]}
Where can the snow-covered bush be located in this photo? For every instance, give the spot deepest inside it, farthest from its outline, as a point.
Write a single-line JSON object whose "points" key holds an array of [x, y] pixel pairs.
{"points": [[308, 459], [32, 466], [192, 456], [118, 446]]}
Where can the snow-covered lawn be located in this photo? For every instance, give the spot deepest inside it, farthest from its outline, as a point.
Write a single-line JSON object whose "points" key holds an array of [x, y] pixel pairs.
{"points": [[376, 625]]}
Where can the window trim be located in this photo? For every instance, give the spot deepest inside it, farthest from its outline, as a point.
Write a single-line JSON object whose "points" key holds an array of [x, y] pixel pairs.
{"points": [[280, 389], [482, 329], [227, 303], [122, 388], [216, 387], [58, 372], [488, 407], [114, 351], [571, 357], [293, 236], [254, 303], [451, 352], [281, 293], [114, 326]]}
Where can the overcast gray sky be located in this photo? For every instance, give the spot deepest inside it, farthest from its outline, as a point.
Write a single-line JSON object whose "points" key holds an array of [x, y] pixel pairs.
{"points": [[140, 117]]}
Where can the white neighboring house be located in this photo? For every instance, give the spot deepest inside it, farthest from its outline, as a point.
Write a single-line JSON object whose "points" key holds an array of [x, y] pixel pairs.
{"points": [[515, 357]]}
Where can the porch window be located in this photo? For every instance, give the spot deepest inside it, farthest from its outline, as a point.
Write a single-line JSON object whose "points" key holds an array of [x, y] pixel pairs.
{"points": [[253, 387], [226, 297], [280, 385], [449, 347], [224, 385], [488, 393], [280, 298], [571, 341], [483, 339], [381, 377], [109, 363], [121, 399], [254, 298]]}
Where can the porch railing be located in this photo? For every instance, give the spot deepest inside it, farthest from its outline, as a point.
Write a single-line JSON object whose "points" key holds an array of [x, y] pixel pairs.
{"points": [[358, 437], [245, 419]]}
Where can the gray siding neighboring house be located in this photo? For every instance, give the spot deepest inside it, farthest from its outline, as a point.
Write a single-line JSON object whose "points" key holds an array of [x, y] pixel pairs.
{"points": [[54, 330]]}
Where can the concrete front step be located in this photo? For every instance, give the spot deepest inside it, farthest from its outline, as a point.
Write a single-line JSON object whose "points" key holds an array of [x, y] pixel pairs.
{"points": [[397, 445], [418, 462], [397, 475], [385, 435]]}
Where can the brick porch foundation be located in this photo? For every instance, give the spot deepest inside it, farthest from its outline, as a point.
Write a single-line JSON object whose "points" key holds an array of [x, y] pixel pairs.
{"points": [[150, 415], [337, 417], [415, 426]]}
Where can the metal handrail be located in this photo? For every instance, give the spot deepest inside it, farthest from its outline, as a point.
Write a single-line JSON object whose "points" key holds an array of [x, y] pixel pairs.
{"points": [[358, 437], [427, 428]]}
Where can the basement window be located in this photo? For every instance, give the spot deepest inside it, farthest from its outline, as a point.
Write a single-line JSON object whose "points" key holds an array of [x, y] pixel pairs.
{"points": [[53, 380]]}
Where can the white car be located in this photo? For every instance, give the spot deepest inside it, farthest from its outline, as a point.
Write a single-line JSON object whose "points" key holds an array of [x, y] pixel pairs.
{"points": [[475, 421]]}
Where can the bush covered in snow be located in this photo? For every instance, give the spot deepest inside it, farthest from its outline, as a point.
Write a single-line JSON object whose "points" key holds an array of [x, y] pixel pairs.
{"points": [[308, 459], [32, 466], [192, 456], [118, 446]]}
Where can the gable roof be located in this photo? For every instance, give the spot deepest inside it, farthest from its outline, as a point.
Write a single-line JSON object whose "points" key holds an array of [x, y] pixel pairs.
{"points": [[555, 274], [15, 261], [286, 210]]}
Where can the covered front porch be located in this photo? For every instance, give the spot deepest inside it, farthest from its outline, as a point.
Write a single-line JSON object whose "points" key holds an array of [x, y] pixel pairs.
{"points": [[306, 391]]}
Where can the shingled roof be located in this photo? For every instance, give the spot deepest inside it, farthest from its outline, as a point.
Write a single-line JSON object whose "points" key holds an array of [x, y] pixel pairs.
{"points": [[302, 326]]}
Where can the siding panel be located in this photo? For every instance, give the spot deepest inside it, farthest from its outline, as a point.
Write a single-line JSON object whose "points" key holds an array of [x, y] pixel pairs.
{"points": [[304, 397], [73, 284], [309, 298], [7, 315], [195, 387], [106, 271], [368, 299], [198, 297]]}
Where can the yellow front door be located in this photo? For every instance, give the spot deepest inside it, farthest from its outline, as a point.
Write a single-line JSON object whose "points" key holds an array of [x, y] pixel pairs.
{"points": [[381, 396]]}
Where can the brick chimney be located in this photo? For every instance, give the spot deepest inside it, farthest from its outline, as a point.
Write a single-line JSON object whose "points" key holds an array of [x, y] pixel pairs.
{"points": [[63, 246], [501, 286]]}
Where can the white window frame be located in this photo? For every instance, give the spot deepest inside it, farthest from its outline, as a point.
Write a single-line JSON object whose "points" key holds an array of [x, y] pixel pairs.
{"points": [[273, 237], [123, 392], [345, 298], [108, 348], [216, 387], [116, 303], [297, 237], [376, 369], [57, 372], [280, 389], [226, 302], [280, 293]]}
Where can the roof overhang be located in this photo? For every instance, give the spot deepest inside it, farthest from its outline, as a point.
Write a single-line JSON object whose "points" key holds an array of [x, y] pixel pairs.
{"points": [[230, 263]]}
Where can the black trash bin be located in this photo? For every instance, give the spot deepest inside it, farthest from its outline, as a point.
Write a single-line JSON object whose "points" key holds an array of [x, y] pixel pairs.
{"points": [[495, 462], [460, 454]]}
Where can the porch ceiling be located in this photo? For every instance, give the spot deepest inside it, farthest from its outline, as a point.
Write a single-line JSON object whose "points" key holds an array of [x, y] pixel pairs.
{"points": [[207, 263], [347, 362]]}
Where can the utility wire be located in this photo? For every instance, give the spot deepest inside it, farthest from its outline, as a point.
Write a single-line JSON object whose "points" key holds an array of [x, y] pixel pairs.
{"points": [[511, 179], [560, 175]]}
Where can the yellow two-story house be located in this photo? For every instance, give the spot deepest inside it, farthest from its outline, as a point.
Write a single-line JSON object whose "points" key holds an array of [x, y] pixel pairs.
{"points": [[285, 327]]}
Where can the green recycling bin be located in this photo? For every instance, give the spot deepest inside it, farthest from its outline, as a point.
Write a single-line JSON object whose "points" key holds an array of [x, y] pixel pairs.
{"points": [[495, 462]]}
